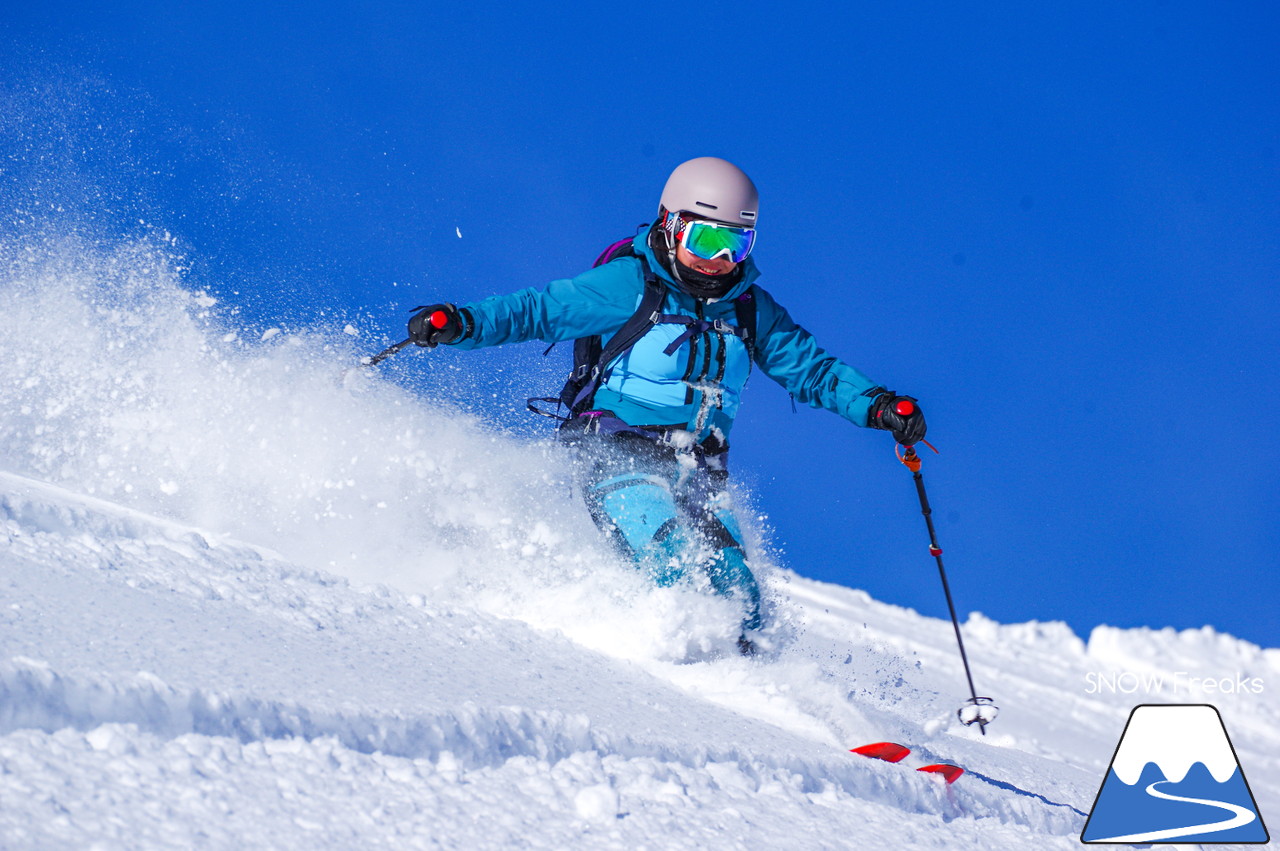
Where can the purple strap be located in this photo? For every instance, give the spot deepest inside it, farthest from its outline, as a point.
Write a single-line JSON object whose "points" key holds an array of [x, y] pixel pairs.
{"points": [[607, 254], [696, 326]]}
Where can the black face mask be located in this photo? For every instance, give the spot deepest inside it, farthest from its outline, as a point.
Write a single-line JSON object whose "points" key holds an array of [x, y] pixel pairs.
{"points": [[697, 284], [691, 280]]}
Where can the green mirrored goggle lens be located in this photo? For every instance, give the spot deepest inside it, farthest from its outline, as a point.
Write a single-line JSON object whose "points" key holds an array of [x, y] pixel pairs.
{"points": [[709, 241]]}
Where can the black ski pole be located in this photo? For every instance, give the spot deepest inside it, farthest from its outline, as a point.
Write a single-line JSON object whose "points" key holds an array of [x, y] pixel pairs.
{"points": [[385, 353], [437, 320], [979, 710], [370, 361]]}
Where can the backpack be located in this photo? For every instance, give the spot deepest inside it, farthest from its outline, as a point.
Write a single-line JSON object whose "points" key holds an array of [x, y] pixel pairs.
{"points": [[591, 356]]}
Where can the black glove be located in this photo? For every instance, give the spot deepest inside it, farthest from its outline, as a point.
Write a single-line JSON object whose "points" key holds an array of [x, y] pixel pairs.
{"points": [[898, 414], [436, 324]]}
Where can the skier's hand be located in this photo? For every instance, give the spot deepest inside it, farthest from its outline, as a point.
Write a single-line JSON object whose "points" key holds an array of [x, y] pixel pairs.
{"points": [[436, 324], [898, 414]]}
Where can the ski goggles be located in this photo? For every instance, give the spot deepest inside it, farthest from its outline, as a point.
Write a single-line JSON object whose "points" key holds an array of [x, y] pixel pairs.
{"points": [[710, 240]]}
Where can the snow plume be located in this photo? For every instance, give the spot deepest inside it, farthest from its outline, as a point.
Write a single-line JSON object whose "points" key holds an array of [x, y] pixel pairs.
{"points": [[125, 383]]}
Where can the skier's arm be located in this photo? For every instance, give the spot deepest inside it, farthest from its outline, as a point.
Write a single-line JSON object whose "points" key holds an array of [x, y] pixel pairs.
{"points": [[598, 301], [792, 357]]}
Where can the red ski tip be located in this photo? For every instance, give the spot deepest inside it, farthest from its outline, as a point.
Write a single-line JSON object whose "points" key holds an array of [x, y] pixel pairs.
{"points": [[887, 751], [439, 319], [948, 772]]}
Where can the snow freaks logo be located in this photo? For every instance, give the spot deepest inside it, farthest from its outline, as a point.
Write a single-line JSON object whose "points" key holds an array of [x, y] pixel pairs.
{"points": [[1128, 682], [1175, 778]]}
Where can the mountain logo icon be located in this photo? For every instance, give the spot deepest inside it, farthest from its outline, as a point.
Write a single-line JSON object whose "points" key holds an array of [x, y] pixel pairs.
{"points": [[1175, 778]]}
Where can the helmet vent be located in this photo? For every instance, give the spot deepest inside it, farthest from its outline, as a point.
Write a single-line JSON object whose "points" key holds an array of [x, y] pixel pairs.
{"points": [[747, 214], [708, 206]]}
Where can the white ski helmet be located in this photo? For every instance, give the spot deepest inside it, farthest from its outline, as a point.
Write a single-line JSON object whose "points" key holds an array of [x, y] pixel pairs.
{"points": [[714, 188]]}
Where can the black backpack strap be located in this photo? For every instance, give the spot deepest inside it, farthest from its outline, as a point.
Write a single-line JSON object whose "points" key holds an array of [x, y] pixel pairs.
{"points": [[621, 248], [646, 316], [745, 308]]}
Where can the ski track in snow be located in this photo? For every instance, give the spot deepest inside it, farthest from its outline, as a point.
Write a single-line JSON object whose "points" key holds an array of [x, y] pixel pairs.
{"points": [[426, 646]]}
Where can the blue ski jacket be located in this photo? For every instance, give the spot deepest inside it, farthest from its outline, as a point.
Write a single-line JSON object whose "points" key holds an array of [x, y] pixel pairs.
{"points": [[698, 386]]}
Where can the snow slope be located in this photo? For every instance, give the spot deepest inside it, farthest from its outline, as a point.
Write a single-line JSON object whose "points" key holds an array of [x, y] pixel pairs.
{"points": [[246, 604]]}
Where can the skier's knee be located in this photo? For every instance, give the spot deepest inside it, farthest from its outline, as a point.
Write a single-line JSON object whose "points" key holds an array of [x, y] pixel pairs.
{"points": [[633, 509]]}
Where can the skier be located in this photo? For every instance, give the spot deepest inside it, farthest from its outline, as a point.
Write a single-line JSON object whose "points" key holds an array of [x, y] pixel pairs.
{"points": [[680, 318]]}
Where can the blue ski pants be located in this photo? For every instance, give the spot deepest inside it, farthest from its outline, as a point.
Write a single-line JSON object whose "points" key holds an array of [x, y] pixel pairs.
{"points": [[670, 511]]}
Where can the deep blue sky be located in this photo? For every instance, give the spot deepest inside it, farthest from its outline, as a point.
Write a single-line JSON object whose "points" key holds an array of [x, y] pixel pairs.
{"points": [[1056, 226]]}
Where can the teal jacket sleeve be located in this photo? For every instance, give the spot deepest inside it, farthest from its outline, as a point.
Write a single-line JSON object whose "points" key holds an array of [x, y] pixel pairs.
{"points": [[598, 301], [792, 357]]}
